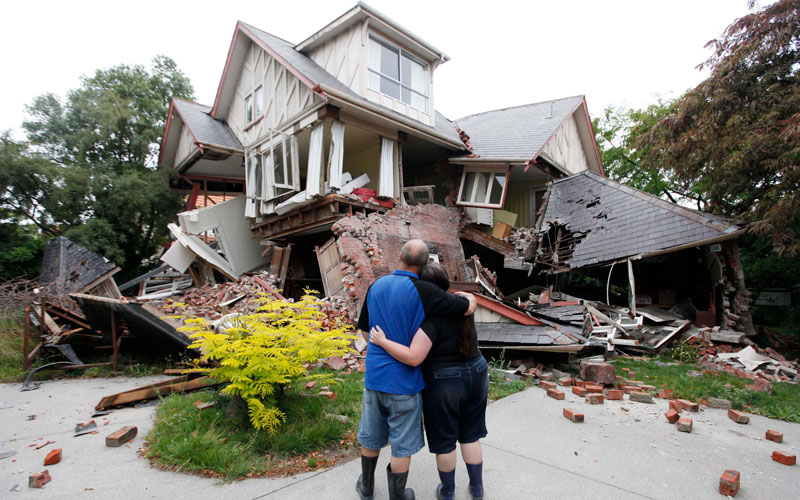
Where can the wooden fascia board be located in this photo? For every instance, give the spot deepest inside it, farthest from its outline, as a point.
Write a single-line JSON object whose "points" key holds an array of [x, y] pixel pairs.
{"points": [[593, 137], [332, 28], [569, 115], [166, 131], [506, 311]]}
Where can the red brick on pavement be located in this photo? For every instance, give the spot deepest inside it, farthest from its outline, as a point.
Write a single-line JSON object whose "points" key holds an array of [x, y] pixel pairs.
{"points": [[614, 394], [665, 393], [689, 405], [544, 384], [565, 381], [53, 457], [39, 479], [675, 405], [738, 416], [122, 436], [573, 415], [641, 397], [784, 458], [729, 483], [555, 394], [672, 416], [685, 425], [775, 436], [594, 388], [578, 391], [594, 399], [601, 373]]}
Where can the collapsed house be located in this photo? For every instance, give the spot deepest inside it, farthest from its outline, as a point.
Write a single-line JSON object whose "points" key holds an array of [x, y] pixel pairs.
{"points": [[327, 155]]}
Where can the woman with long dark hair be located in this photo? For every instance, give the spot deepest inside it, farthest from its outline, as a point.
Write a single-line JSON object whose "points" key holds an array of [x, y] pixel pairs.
{"points": [[456, 389]]}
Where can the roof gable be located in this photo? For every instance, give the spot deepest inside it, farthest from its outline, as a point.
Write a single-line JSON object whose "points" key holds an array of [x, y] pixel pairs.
{"points": [[72, 267]]}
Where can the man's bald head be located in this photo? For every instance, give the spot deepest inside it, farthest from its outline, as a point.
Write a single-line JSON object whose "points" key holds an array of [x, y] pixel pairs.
{"points": [[414, 254]]}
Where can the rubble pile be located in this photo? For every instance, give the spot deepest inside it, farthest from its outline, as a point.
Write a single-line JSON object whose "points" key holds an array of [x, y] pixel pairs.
{"points": [[211, 302], [763, 366]]}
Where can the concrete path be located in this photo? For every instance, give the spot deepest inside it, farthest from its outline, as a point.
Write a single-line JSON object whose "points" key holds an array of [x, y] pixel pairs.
{"points": [[624, 450]]}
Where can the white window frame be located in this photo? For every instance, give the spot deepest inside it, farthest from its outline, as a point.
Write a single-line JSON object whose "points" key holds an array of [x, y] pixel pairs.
{"points": [[401, 52], [249, 103], [483, 201], [258, 92], [290, 163]]}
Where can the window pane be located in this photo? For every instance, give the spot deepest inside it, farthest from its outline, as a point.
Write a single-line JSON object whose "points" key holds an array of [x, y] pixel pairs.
{"points": [[405, 70], [259, 173], [406, 95], [248, 108], [390, 88], [481, 184], [415, 75], [277, 162], [389, 62], [259, 101], [469, 186], [498, 184]]}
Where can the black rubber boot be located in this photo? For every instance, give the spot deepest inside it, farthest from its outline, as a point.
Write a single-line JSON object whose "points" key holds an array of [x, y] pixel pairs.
{"points": [[446, 490], [475, 472], [397, 485], [365, 486]]}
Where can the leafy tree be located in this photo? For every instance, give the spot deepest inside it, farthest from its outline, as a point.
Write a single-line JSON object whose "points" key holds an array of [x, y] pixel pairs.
{"points": [[21, 249], [736, 136], [89, 171]]}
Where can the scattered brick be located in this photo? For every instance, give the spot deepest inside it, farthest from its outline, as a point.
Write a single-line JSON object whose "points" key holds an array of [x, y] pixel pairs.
{"points": [[685, 425], [573, 415], [675, 405], [738, 416], [122, 436], [601, 373], [775, 436], [784, 458], [614, 394], [565, 381], [53, 457], [760, 384], [665, 393], [328, 394], [578, 391], [631, 374], [555, 394], [547, 385], [729, 483], [723, 404], [594, 398], [580, 383], [635, 383], [311, 385], [641, 397], [689, 405], [647, 388], [594, 388], [39, 479], [672, 416], [627, 389]]}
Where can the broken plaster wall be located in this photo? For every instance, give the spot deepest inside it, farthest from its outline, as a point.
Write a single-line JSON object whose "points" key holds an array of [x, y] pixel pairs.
{"points": [[369, 245]]}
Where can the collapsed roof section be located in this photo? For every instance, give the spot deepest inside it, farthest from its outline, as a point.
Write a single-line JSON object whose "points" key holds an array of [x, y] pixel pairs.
{"points": [[590, 220], [72, 267]]}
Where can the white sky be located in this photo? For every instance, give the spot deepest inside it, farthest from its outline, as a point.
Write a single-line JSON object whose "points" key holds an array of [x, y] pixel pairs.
{"points": [[503, 53]]}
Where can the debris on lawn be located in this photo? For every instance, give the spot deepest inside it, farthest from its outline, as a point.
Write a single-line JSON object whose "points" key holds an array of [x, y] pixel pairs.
{"points": [[153, 391]]}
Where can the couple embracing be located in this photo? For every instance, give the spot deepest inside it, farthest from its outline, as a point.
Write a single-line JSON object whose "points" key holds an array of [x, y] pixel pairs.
{"points": [[413, 321]]}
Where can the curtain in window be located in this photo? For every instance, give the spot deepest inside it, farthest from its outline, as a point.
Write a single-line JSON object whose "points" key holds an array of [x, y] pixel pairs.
{"points": [[250, 205], [373, 63], [419, 83], [313, 180], [294, 157], [337, 154], [386, 174], [267, 186]]}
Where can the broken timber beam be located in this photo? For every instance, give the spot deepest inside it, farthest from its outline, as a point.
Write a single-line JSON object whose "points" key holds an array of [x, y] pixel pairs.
{"points": [[477, 236], [179, 384]]}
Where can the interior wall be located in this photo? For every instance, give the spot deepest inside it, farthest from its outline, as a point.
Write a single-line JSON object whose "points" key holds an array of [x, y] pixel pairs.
{"points": [[364, 161]]}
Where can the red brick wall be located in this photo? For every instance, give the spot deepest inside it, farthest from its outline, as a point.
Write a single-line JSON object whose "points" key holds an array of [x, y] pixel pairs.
{"points": [[369, 246]]}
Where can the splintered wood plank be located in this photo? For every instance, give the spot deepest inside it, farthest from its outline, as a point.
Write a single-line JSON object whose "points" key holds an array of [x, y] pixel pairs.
{"points": [[153, 391]]}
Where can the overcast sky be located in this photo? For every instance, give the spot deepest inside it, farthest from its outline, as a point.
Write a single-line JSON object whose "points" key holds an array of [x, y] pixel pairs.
{"points": [[503, 53]]}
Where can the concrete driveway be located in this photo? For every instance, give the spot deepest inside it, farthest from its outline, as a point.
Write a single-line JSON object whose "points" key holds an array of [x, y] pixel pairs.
{"points": [[624, 450]]}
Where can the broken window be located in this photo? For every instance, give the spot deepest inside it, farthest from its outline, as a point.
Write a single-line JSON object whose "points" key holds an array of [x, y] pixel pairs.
{"points": [[483, 187], [397, 74], [281, 169]]}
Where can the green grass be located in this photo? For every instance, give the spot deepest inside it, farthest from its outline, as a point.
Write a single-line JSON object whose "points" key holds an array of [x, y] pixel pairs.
{"points": [[499, 387], [12, 330], [207, 442], [783, 404]]}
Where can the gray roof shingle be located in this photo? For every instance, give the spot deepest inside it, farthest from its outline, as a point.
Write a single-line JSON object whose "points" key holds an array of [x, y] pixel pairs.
{"points": [[204, 127], [71, 266], [519, 132], [620, 221]]}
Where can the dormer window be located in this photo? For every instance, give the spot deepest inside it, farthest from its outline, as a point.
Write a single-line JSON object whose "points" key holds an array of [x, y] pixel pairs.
{"points": [[396, 73]]}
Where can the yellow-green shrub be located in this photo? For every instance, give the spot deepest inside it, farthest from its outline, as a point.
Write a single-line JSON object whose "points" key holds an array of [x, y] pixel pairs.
{"points": [[265, 351]]}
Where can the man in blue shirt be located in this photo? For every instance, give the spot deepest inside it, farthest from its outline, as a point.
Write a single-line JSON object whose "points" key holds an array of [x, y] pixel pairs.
{"points": [[391, 407]]}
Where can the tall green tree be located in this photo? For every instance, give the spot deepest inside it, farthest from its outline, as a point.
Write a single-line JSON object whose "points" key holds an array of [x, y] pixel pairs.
{"points": [[736, 136], [96, 156]]}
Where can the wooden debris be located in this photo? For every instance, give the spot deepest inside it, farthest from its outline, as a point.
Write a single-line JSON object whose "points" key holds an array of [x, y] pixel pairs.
{"points": [[153, 391]]}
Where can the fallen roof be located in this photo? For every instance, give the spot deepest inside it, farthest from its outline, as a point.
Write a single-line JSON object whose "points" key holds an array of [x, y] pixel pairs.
{"points": [[204, 128], [517, 133], [72, 266], [610, 221]]}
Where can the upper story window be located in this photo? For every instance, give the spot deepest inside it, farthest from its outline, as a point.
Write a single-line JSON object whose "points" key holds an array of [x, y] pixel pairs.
{"points": [[249, 114], [254, 104], [483, 187], [394, 72]]}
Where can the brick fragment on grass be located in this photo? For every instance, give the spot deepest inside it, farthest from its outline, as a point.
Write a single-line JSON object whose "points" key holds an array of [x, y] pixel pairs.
{"points": [[784, 457], [689, 405], [578, 391], [39, 479], [594, 399], [121, 436], [53, 457], [672, 416], [729, 483], [614, 394], [685, 425], [641, 397], [573, 415], [738, 416], [555, 394], [774, 436]]}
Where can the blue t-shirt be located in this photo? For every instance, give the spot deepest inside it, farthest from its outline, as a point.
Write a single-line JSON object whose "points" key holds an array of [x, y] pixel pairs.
{"points": [[395, 305]]}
